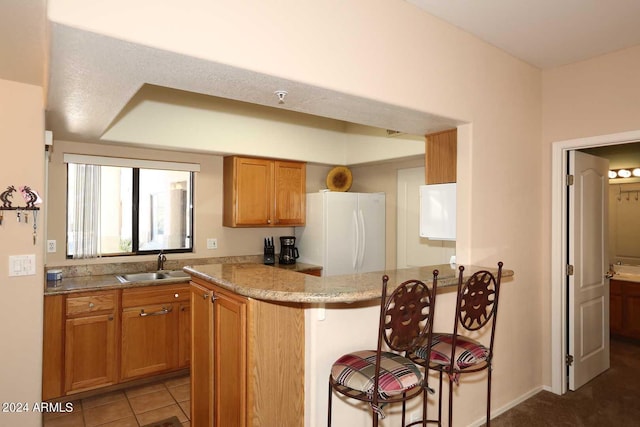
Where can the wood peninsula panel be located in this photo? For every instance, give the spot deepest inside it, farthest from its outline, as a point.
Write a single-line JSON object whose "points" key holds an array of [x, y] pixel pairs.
{"points": [[276, 345], [441, 157]]}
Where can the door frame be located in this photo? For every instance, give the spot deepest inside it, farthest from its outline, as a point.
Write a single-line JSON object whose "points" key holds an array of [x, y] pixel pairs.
{"points": [[559, 244]]}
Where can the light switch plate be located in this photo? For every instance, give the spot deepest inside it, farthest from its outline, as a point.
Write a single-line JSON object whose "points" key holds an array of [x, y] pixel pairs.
{"points": [[212, 243], [22, 265]]}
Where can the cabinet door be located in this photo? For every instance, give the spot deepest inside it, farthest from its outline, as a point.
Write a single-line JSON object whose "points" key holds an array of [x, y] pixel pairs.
{"points": [[615, 307], [53, 347], [253, 191], [184, 335], [90, 356], [230, 360], [201, 356], [632, 309], [289, 188], [149, 340]]}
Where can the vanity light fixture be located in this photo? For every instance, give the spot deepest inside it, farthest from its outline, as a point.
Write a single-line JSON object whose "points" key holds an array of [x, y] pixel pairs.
{"points": [[624, 173]]}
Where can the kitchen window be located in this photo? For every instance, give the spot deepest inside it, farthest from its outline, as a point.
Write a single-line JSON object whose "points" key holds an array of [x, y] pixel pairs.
{"points": [[128, 207]]}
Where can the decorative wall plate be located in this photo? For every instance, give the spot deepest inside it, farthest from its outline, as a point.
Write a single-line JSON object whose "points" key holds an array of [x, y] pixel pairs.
{"points": [[339, 179]]}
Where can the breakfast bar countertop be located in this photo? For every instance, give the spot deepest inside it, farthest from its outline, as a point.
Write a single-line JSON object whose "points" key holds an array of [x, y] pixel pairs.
{"points": [[270, 284]]}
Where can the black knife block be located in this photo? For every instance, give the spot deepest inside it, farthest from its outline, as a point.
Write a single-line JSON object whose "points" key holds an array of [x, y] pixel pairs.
{"points": [[269, 253]]}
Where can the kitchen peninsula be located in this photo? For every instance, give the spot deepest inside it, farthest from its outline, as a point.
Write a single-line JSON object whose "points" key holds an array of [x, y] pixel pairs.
{"points": [[263, 339]]}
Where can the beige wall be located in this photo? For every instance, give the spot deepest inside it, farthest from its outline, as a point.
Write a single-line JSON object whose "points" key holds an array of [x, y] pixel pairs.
{"points": [[383, 177], [207, 198], [396, 54], [589, 98], [22, 142]]}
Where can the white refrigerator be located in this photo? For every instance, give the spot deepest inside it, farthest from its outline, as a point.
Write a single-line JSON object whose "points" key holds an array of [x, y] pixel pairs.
{"points": [[344, 232]]}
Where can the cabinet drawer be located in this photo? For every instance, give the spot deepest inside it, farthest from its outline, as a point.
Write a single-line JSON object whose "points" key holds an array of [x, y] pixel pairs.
{"points": [[90, 303], [154, 295]]}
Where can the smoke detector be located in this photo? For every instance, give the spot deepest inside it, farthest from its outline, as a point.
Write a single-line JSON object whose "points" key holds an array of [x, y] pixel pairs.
{"points": [[281, 95]]}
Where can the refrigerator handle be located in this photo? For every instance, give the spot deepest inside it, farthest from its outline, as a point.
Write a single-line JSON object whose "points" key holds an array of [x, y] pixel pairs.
{"points": [[357, 245], [363, 241]]}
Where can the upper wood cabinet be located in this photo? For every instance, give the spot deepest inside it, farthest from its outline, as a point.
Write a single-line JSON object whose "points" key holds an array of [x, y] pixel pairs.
{"points": [[263, 192], [441, 157]]}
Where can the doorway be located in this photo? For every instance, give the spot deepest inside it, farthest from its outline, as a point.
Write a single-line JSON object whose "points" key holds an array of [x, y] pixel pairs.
{"points": [[559, 245]]}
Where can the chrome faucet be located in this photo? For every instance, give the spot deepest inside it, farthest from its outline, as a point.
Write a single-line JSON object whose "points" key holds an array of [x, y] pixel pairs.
{"points": [[161, 260]]}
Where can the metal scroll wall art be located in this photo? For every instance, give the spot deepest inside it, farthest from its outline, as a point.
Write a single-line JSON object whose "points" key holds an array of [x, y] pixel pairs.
{"points": [[23, 213]]}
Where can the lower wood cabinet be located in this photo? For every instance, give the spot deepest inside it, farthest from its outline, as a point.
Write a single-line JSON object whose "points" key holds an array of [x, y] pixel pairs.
{"points": [[247, 361], [624, 308], [151, 330], [90, 341], [101, 338]]}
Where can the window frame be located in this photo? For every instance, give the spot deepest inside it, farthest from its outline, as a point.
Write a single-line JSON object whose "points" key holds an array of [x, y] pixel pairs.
{"points": [[136, 166]]}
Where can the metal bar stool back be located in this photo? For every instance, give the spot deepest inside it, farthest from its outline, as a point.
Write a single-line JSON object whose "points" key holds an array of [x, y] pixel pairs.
{"points": [[383, 376], [455, 354]]}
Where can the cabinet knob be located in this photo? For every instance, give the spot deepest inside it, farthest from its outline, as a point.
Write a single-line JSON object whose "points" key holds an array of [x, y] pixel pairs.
{"points": [[91, 305], [205, 296], [268, 221], [176, 295], [213, 298]]}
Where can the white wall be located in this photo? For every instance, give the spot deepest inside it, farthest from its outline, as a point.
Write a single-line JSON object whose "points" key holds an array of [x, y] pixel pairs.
{"points": [[390, 51], [21, 298], [589, 98]]}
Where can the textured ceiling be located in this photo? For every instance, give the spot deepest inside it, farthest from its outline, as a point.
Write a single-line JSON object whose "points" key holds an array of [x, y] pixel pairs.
{"points": [[92, 78]]}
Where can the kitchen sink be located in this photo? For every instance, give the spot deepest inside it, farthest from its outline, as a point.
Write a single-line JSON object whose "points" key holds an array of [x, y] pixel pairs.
{"points": [[152, 276]]}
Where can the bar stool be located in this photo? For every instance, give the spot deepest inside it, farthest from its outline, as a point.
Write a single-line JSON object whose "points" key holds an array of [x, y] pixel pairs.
{"points": [[380, 377], [454, 354]]}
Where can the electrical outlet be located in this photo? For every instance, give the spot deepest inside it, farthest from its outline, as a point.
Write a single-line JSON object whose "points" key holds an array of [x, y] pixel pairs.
{"points": [[212, 243], [51, 245]]}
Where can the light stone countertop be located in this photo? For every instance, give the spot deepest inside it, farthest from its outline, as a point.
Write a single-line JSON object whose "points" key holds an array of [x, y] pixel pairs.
{"points": [[627, 277], [270, 284], [100, 282]]}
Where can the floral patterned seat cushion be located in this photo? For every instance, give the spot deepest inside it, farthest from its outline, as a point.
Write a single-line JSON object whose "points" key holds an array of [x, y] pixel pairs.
{"points": [[357, 370]]}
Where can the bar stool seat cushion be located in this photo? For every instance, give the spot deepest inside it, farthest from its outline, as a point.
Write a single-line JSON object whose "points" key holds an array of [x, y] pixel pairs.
{"points": [[357, 370], [468, 351]]}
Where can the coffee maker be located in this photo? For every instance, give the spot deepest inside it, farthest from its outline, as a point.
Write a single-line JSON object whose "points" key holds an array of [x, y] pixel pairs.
{"points": [[288, 250]]}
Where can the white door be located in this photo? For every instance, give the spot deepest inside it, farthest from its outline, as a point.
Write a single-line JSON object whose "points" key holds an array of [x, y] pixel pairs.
{"points": [[588, 286]]}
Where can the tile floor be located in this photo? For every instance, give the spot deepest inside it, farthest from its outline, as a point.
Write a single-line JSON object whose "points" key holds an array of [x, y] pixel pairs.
{"points": [[132, 407]]}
